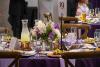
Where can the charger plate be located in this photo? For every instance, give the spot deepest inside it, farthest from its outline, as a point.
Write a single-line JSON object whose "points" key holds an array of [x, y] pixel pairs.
{"points": [[52, 55]]}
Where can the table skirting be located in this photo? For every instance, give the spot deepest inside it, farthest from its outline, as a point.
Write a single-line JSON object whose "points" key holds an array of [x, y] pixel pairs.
{"points": [[35, 61]]}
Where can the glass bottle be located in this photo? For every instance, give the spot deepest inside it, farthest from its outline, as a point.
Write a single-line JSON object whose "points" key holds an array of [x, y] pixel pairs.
{"points": [[25, 36]]}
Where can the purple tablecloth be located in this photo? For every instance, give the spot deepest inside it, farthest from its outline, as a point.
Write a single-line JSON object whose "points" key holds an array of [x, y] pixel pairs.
{"points": [[89, 62], [39, 62], [33, 62]]}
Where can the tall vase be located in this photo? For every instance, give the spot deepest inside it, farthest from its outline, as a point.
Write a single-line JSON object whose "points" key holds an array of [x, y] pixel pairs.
{"points": [[25, 36]]}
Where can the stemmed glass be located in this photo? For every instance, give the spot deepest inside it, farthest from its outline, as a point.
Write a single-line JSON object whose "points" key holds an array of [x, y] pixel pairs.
{"points": [[91, 12], [3, 40], [97, 37], [67, 45], [70, 39], [38, 47], [97, 11]]}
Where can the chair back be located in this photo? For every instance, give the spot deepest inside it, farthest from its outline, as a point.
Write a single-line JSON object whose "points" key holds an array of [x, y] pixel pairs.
{"points": [[84, 27], [69, 19]]}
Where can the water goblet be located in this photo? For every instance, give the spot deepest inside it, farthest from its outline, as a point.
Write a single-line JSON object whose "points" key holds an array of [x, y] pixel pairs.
{"points": [[97, 37], [68, 45], [38, 48], [91, 12]]}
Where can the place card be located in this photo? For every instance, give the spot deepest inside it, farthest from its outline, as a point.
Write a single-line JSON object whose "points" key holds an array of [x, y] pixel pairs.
{"points": [[14, 44]]}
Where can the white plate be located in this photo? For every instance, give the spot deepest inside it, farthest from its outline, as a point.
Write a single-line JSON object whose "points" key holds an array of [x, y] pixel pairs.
{"points": [[79, 50], [88, 46], [28, 53], [46, 52]]}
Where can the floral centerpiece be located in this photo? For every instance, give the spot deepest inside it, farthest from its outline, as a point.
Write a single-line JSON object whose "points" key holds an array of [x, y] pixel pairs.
{"points": [[46, 31]]}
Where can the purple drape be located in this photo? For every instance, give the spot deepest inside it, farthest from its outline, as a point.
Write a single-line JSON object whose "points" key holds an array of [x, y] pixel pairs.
{"points": [[95, 4]]}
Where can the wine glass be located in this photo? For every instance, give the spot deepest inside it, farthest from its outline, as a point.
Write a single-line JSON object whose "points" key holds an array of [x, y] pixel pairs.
{"points": [[38, 47], [91, 12], [71, 39], [68, 45], [97, 11], [97, 37]]}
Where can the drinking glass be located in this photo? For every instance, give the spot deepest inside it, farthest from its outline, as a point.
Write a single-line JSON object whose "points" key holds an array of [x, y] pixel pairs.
{"points": [[96, 11], [91, 12], [97, 37], [70, 39], [38, 47], [68, 45]]}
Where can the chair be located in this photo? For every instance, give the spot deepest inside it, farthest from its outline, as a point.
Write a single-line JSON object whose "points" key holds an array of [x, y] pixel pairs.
{"points": [[84, 27], [83, 36], [69, 19]]}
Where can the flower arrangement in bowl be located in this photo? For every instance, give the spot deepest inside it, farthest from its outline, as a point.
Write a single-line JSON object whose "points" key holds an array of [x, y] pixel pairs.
{"points": [[46, 31]]}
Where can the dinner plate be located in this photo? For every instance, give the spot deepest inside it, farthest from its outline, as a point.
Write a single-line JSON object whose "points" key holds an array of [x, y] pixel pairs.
{"points": [[79, 50], [53, 56], [28, 53], [89, 46]]}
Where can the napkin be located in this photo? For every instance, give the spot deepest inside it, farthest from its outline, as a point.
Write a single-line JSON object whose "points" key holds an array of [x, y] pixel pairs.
{"points": [[62, 62]]}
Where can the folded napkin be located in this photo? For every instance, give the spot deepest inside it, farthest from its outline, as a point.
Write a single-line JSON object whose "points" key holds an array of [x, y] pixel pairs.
{"points": [[62, 62]]}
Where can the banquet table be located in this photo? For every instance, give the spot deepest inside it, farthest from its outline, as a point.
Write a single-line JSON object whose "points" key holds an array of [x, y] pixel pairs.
{"points": [[29, 61], [49, 61], [11, 54], [84, 58], [55, 62]]}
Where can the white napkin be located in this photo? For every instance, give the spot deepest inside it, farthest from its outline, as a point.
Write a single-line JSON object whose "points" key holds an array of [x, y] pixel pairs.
{"points": [[62, 62]]}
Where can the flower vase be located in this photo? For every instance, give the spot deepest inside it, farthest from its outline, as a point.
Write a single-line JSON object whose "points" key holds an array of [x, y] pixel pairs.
{"points": [[46, 46], [43, 45]]}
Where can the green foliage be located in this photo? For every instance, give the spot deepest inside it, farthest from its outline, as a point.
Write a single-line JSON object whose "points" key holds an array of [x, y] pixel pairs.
{"points": [[45, 35]]}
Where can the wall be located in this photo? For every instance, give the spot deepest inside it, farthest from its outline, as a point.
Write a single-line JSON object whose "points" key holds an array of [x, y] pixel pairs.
{"points": [[4, 12], [48, 6], [32, 3], [44, 6]]}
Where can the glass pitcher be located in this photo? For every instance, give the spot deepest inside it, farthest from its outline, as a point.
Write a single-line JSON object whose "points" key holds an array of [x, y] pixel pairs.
{"points": [[25, 36]]}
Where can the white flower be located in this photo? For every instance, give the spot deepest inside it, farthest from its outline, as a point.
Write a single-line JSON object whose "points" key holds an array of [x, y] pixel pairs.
{"points": [[33, 32], [41, 26], [52, 25]]}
